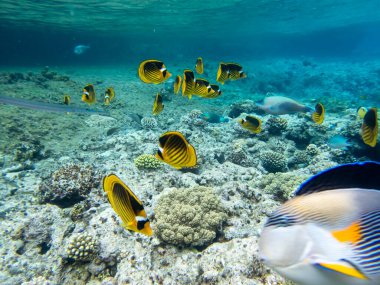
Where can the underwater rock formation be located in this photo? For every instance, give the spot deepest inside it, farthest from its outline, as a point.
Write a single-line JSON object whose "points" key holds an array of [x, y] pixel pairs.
{"points": [[68, 185]]}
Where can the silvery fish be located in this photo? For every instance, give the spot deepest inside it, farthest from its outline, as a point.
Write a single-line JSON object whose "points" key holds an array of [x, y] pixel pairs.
{"points": [[80, 49], [338, 142], [279, 105], [329, 233]]}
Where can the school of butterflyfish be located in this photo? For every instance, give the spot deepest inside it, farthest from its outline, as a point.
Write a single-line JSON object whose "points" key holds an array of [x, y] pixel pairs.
{"points": [[328, 234]]}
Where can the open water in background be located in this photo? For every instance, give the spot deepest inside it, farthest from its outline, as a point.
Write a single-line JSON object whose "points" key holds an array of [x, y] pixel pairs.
{"points": [[45, 32]]}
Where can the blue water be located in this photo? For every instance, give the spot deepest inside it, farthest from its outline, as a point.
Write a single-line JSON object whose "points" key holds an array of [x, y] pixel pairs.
{"points": [[240, 29]]}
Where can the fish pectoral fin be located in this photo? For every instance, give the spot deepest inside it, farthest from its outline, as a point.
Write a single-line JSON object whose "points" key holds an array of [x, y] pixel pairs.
{"points": [[342, 267]]}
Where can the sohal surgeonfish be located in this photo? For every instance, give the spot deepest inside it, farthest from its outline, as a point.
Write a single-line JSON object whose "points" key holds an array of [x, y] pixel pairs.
{"points": [[66, 99], [318, 115], [88, 95], [370, 128], [158, 107], [251, 124], [109, 95], [199, 66], [177, 84], [229, 71], [153, 71], [188, 83], [126, 205], [329, 233], [175, 150], [279, 105]]}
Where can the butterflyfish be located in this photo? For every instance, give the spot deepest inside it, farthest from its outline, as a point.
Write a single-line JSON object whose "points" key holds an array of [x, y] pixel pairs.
{"points": [[251, 124], [199, 66], [318, 115], [370, 128], [157, 105], [109, 95], [235, 71], [223, 72], [202, 88], [279, 105], [66, 99], [188, 83], [329, 233], [177, 84], [217, 92], [88, 95], [126, 205], [229, 71], [361, 111], [153, 71], [176, 151]]}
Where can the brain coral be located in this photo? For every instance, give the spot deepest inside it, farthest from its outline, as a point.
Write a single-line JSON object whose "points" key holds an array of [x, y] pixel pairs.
{"points": [[189, 217]]}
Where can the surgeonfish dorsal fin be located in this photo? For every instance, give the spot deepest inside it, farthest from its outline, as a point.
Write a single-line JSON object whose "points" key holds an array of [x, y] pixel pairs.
{"points": [[356, 175]]}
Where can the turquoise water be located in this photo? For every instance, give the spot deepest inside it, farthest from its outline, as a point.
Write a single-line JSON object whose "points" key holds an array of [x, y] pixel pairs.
{"points": [[53, 156]]}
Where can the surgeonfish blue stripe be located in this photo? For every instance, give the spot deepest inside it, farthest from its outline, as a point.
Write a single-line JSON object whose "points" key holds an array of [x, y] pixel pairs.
{"points": [[354, 175]]}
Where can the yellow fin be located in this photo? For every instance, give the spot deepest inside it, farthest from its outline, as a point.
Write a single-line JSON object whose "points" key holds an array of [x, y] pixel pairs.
{"points": [[350, 234], [343, 268]]}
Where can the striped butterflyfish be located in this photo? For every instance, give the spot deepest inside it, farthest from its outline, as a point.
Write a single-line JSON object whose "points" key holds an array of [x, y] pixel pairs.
{"points": [[157, 105], [66, 99], [235, 71], [319, 114], [222, 74], [188, 83], [109, 95], [361, 111], [199, 66], [251, 124], [370, 128], [153, 71], [215, 92], [177, 84], [176, 151], [88, 94], [202, 88], [329, 233], [126, 205]]}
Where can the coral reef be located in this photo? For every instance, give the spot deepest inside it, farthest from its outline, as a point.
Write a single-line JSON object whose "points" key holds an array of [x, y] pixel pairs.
{"points": [[273, 161], [280, 185], [148, 123], [147, 161], [238, 108], [188, 217], [68, 185], [276, 125], [82, 247]]}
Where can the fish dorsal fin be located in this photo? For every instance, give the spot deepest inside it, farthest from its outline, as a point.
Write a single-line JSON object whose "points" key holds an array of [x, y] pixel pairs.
{"points": [[356, 175]]}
